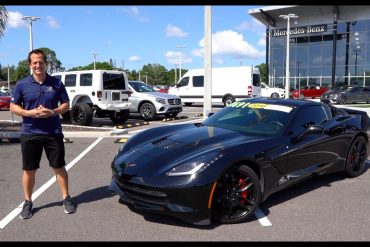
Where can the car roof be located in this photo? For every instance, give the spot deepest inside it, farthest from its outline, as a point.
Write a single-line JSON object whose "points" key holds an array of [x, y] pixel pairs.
{"points": [[285, 102]]}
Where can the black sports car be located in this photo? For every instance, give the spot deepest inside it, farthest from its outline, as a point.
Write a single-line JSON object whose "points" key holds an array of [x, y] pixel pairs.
{"points": [[224, 167]]}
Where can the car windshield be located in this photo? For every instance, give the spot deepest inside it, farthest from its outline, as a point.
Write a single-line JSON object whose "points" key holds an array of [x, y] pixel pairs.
{"points": [[141, 87], [258, 119]]}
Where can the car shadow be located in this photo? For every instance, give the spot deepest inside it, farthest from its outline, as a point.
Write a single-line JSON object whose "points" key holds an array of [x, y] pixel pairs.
{"points": [[92, 195], [303, 188], [167, 219]]}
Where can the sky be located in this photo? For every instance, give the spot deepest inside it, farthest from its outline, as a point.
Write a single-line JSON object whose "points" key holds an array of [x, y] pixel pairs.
{"points": [[133, 36]]}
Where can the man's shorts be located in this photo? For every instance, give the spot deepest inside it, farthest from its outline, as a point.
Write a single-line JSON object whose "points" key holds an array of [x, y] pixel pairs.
{"points": [[32, 146]]}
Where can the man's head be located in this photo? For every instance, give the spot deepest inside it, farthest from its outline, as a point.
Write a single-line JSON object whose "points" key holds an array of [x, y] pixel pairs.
{"points": [[37, 62]]}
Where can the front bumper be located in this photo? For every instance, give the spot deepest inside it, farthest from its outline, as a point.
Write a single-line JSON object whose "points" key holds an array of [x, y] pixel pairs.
{"points": [[187, 204]]}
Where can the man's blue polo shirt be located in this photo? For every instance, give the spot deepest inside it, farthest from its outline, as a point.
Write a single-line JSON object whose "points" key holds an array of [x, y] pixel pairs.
{"points": [[30, 94]]}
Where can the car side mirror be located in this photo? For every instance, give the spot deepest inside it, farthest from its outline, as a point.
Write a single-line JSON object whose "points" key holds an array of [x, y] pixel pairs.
{"points": [[177, 85], [311, 130], [210, 114]]}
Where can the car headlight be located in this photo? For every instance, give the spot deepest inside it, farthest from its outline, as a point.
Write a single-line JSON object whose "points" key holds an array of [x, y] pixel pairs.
{"points": [[161, 100], [334, 96], [195, 166]]}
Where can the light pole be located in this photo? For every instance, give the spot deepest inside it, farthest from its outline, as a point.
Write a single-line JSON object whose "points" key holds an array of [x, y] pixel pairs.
{"points": [[299, 79], [94, 54], [287, 82], [356, 50], [180, 47], [146, 78], [31, 19]]}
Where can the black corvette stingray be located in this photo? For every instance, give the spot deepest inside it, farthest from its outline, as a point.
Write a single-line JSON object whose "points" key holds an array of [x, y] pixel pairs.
{"points": [[224, 167]]}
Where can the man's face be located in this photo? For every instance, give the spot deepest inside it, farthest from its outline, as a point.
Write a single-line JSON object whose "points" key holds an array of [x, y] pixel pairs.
{"points": [[38, 64]]}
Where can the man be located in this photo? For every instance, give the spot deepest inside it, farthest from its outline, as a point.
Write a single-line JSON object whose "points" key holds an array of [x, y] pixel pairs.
{"points": [[36, 98]]}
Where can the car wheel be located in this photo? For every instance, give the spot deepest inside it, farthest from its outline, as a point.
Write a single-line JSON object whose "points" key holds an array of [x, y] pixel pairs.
{"points": [[81, 114], [120, 117], [342, 100], [229, 100], [237, 195], [147, 111], [275, 95], [355, 162]]}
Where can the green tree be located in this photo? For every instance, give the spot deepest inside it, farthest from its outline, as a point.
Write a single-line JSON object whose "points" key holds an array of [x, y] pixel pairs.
{"points": [[54, 65], [262, 69], [3, 19], [22, 70], [156, 73], [4, 73], [98, 65]]}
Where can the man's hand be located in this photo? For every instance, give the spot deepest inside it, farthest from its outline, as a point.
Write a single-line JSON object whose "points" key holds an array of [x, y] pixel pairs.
{"points": [[42, 112]]}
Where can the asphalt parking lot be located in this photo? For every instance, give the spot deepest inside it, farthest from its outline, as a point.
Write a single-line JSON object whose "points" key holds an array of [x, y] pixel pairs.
{"points": [[327, 208]]}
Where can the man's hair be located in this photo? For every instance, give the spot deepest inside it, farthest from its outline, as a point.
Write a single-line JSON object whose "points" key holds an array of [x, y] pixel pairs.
{"points": [[36, 51]]}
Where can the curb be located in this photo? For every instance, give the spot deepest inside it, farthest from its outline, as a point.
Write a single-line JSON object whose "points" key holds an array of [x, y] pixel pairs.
{"points": [[174, 118], [131, 125]]}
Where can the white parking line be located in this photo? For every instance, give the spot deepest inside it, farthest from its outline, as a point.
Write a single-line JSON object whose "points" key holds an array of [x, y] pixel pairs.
{"points": [[45, 186], [262, 217]]}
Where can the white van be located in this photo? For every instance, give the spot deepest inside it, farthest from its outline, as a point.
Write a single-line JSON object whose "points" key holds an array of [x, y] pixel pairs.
{"points": [[228, 85], [96, 93]]}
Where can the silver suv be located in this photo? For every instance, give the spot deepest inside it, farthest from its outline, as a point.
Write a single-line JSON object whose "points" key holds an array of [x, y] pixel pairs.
{"points": [[149, 103]]}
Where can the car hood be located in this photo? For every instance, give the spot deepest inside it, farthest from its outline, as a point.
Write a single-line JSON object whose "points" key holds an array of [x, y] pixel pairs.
{"points": [[166, 151], [157, 95]]}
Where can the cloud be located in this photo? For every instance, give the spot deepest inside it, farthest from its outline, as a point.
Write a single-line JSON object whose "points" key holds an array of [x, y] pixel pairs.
{"points": [[135, 13], [134, 58], [15, 20], [173, 31], [53, 23], [243, 26], [262, 41], [230, 43], [174, 58]]}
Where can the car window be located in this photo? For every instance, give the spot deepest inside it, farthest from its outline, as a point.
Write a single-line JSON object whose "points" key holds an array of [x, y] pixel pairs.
{"points": [[141, 87], [184, 82], [198, 81], [252, 118], [308, 116]]}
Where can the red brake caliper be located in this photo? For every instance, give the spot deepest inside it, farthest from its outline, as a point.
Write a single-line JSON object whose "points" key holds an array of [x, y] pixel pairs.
{"points": [[244, 194]]}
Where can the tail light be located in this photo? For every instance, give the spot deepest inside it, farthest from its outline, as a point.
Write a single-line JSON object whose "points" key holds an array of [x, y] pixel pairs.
{"points": [[249, 90], [99, 94]]}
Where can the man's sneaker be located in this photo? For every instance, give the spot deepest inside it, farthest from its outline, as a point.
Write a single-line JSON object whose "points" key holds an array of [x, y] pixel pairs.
{"points": [[69, 205], [26, 210]]}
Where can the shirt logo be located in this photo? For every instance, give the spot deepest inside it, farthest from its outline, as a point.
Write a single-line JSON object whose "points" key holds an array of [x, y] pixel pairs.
{"points": [[49, 89]]}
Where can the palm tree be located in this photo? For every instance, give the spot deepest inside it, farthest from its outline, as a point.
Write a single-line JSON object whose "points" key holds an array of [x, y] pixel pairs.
{"points": [[3, 19]]}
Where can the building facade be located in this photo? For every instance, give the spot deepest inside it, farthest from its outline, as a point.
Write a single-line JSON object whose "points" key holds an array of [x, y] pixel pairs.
{"points": [[328, 45]]}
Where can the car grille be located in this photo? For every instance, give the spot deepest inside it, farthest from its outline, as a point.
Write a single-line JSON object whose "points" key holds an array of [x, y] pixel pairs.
{"points": [[174, 101], [142, 194]]}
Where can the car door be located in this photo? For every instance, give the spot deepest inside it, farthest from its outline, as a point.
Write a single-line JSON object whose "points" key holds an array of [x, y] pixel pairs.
{"points": [[315, 152]]}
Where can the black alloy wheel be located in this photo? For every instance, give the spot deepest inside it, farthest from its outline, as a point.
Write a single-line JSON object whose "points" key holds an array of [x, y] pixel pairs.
{"points": [[237, 195], [356, 158]]}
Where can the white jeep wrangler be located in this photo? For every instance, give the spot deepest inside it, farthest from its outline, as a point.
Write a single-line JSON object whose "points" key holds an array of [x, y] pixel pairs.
{"points": [[96, 93]]}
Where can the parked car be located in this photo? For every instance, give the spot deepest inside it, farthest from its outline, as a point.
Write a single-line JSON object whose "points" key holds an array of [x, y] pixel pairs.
{"points": [[226, 166], [149, 103], [273, 92], [161, 88], [4, 101], [308, 92], [344, 95]]}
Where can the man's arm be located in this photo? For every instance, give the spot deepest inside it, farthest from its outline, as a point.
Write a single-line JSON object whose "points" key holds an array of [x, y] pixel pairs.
{"points": [[18, 110], [62, 108]]}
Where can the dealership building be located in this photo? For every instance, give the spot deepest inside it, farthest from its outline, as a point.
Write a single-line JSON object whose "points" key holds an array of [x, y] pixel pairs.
{"points": [[328, 45]]}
